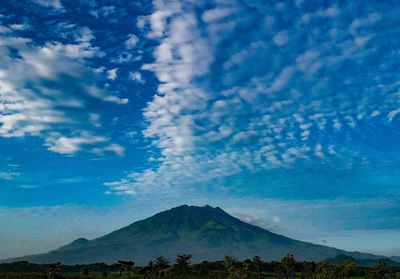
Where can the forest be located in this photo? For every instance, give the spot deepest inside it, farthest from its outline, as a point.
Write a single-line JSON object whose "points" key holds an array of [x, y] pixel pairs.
{"points": [[182, 267]]}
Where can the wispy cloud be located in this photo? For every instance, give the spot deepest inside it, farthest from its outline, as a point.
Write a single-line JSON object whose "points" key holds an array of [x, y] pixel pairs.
{"points": [[53, 4], [44, 91], [269, 98], [10, 172], [9, 175]]}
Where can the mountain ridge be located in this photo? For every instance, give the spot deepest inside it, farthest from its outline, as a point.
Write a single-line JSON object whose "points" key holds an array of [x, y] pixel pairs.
{"points": [[209, 233]]}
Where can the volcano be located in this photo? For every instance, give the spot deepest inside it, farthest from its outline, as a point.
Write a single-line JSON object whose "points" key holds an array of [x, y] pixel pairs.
{"points": [[208, 233]]}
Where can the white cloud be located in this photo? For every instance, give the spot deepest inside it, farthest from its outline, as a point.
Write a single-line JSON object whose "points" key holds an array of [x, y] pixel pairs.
{"points": [[216, 14], [112, 74], [228, 104], [157, 22], [54, 4], [375, 113], [81, 50], [136, 76], [114, 148], [71, 145], [329, 12], [281, 38], [20, 26], [131, 41], [276, 219], [392, 114], [100, 94], [9, 175], [30, 106]]}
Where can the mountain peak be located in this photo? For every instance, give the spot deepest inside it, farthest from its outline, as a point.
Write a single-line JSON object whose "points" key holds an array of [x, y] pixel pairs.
{"points": [[206, 209], [209, 233], [185, 206]]}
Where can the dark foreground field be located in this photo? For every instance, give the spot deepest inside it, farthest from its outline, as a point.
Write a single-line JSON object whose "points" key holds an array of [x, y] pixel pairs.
{"points": [[228, 268], [99, 275]]}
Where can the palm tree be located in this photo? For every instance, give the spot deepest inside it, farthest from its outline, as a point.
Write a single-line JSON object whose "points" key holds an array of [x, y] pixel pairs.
{"points": [[161, 265], [182, 263]]}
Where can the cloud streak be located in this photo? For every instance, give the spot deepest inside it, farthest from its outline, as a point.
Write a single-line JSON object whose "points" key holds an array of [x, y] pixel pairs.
{"points": [[245, 89], [44, 91]]}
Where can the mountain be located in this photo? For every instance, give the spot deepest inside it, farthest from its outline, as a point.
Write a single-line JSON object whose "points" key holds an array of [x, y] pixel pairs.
{"points": [[395, 258], [340, 259], [206, 232]]}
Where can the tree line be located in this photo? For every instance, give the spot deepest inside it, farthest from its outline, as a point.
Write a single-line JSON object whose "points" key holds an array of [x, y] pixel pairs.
{"points": [[227, 268]]}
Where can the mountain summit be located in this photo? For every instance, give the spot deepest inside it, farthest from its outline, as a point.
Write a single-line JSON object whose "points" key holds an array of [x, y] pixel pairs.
{"points": [[206, 232]]}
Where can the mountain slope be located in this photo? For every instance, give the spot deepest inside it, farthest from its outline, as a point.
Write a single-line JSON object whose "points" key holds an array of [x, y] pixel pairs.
{"points": [[340, 259], [206, 232]]}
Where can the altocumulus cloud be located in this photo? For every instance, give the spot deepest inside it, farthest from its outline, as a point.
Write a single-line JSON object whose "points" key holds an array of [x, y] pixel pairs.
{"points": [[262, 85], [44, 90]]}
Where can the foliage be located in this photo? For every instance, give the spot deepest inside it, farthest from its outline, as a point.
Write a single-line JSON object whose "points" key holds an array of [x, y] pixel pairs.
{"points": [[228, 268], [380, 271], [182, 263], [325, 270]]}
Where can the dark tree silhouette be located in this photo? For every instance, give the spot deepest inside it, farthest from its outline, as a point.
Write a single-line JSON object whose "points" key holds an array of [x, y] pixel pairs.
{"points": [[247, 267], [258, 266], [288, 264], [325, 270], [349, 268], [55, 271], [161, 266], [203, 268], [125, 266], [149, 270], [379, 271], [234, 268], [228, 268], [308, 271], [182, 263]]}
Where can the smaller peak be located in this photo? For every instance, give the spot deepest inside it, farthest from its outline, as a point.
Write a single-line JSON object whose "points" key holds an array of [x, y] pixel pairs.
{"points": [[80, 240], [75, 244]]}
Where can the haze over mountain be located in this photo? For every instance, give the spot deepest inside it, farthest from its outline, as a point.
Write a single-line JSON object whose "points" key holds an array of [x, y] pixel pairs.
{"points": [[206, 232]]}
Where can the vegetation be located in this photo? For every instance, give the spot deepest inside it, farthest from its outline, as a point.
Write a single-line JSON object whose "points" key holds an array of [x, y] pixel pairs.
{"points": [[228, 268]]}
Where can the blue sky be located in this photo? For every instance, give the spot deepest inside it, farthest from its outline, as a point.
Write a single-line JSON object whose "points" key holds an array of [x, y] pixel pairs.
{"points": [[286, 114]]}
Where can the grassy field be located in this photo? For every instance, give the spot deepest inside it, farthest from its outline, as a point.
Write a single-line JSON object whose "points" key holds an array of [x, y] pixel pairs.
{"points": [[132, 276]]}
